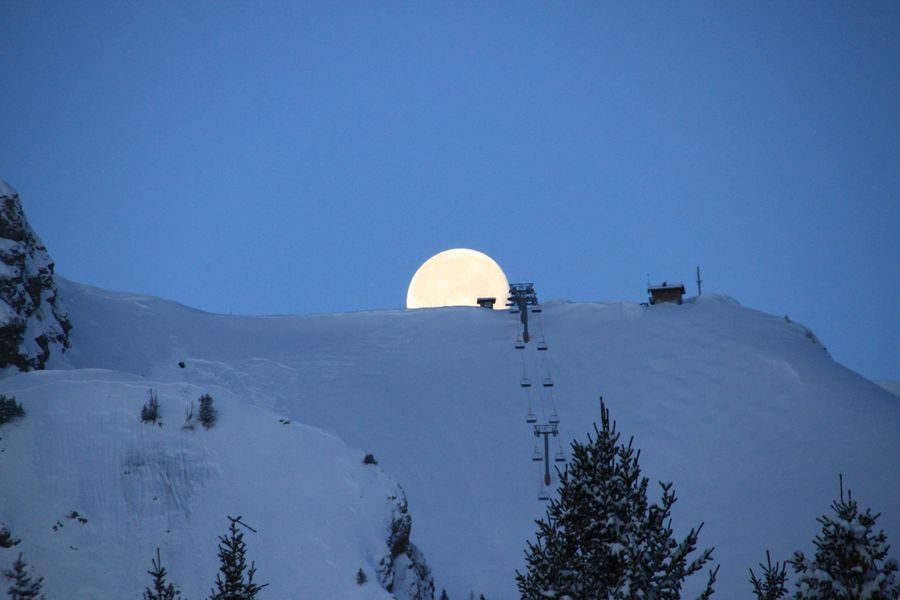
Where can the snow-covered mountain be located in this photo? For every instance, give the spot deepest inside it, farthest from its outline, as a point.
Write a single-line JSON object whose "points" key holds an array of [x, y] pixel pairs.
{"points": [[744, 411]]}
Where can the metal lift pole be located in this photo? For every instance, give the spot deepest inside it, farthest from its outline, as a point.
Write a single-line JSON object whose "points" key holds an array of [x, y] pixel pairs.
{"points": [[546, 460], [523, 307], [546, 431], [521, 295]]}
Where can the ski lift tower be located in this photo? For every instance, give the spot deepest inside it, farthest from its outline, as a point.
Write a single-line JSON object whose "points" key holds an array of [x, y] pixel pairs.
{"points": [[546, 431], [521, 296]]}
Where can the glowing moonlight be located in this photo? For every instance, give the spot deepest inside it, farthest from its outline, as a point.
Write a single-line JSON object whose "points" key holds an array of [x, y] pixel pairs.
{"points": [[457, 277]]}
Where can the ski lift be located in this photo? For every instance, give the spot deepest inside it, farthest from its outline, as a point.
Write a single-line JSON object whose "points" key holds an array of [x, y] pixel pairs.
{"points": [[520, 345], [548, 381], [526, 383], [542, 345], [560, 457], [554, 418], [536, 456], [543, 495], [531, 418]]}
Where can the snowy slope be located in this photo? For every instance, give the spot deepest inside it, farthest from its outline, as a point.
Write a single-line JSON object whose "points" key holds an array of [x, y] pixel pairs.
{"points": [[891, 386], [744, 411], [82, 453]]}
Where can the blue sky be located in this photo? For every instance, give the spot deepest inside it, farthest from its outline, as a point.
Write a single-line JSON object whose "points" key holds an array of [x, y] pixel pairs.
{"points": [[307, 157]]}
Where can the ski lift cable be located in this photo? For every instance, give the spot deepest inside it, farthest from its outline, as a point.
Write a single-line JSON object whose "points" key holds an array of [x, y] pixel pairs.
{"points": [[540, 320]]}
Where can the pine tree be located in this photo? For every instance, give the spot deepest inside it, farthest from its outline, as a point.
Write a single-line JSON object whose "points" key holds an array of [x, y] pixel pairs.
{"points": [[850, 559], [771, 585], [6, 538], [601, 538], [23, 585], [10, 409], [150, 411], [208, 412], [161, 590], [444, 595], [231, 583]]}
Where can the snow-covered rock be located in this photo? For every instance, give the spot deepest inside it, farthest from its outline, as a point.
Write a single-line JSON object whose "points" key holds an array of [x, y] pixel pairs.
{"points": [[33, 322], [403, 570]]}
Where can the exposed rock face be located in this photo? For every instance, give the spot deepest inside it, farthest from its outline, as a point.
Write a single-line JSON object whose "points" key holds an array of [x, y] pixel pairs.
{"points": [[33, 322], [404, 572]]}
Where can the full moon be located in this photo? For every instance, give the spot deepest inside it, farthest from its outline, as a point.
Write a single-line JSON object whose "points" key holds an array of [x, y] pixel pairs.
{"points": [[457, 277]]}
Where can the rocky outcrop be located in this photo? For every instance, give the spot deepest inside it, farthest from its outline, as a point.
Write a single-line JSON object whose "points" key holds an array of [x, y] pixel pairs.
{"points": [[403, 571], [33, 322]]}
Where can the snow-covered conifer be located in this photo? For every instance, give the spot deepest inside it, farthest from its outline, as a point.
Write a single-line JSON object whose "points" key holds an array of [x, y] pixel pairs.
{"points": [[23, 586], [851, 560], [771, 585], [161, 589], [231, 581], [601, 538]]}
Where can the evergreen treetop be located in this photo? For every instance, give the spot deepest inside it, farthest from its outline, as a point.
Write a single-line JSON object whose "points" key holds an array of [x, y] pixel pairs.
{"points": [[850, 561], [22, 585], [161, 589], [601, 537], [231, 583], [771, 586]]}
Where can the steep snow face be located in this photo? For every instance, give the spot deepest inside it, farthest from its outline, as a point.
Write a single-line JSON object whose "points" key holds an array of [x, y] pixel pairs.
{"points": [[92, 491], [33, 322], [745, 412]]}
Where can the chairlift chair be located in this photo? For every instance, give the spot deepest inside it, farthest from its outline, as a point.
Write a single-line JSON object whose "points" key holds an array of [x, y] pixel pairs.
{"points": [[531, 418], [537, 456], [542, 345], [536, 308], [548, 381], [554, 418], [526, 383], [520, 345], [560, 457], [543, 495]]}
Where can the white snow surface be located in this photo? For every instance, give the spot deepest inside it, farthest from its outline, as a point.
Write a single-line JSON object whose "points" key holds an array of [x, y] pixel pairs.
{"points": [[745, 412], [319, 512]]}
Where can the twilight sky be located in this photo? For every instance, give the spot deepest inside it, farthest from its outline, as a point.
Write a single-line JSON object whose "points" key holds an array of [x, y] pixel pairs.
{"points": [[289, 157]]}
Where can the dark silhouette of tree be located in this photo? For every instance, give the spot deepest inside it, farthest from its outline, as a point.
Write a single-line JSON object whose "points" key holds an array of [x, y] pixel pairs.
{"points": [[771, 585], [10, 409], [235, 580], [23, 586], [161, 589], [208, 412]]}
